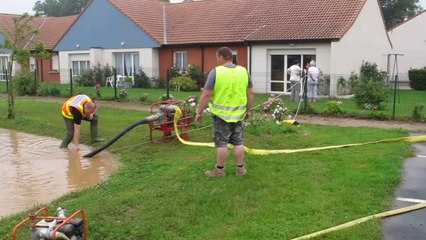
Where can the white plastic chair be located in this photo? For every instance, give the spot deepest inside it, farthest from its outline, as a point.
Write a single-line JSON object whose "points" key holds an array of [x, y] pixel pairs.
{"points": [[109, 80]]}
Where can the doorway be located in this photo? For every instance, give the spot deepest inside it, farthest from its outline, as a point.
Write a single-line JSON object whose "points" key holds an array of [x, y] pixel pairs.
{"points": [[279, 63]]}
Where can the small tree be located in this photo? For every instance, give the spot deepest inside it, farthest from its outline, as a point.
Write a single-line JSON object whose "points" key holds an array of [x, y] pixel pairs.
{"points": [[17, 41]]}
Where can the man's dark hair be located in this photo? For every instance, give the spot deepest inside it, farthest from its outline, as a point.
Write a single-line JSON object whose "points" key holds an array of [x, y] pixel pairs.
{"points": [[225, 52], [296, 61]]}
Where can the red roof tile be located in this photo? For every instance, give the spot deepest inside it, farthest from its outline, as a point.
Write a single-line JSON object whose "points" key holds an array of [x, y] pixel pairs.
{"points": [[211, 21], [51, 29]]}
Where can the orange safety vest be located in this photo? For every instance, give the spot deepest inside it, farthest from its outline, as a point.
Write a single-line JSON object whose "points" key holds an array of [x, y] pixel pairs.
{"points": [[77, 102]]}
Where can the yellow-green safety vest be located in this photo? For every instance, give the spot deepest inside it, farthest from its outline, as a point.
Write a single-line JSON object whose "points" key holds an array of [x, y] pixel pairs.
{"points": [[229, 97], [78, 102]]}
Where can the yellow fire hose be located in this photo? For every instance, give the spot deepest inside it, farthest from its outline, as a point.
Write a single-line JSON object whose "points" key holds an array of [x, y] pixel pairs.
{"points": [[413, 139], [178, 115]]}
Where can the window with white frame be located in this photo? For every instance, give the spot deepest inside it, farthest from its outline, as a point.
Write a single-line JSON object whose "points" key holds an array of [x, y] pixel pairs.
{"points": [[234, 57], [3, 68], [79, 66], [32, 64], [55, 62], [181, 61], [126, 63]]}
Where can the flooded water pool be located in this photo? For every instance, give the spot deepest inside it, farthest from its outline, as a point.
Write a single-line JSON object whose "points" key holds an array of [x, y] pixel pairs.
{"points": [[33, 170]]}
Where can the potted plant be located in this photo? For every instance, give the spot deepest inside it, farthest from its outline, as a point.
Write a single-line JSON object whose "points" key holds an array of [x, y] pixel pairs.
{"points": [[128, 82]]}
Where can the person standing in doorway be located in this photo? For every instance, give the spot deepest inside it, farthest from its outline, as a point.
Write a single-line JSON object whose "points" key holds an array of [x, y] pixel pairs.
{"points": [[313, 78], [75, 109], [295, 71], [229, 95]]}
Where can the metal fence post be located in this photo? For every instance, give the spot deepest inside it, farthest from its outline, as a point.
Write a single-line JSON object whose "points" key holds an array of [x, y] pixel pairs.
{"points": [[115, 82], [71, 80], [7, 81], [394, 96]]}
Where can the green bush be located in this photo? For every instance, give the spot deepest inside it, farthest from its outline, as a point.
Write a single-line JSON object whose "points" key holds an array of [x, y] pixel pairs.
{"points": [[183, 83], [417, 112], [370, 89], [333, 107], [141, 80], [369, 71], [86, 78], [94, 75], [370, 94], [26, 84], [417, 78], [196, 75]]}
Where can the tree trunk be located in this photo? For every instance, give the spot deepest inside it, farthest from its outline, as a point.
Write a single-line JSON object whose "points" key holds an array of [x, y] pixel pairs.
{"points": [[10, 99]]}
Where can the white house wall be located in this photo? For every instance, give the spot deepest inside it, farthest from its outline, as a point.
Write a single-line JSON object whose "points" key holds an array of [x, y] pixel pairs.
{"points": [[409, 39], [148, 58], [366, 40], [260, 60]]}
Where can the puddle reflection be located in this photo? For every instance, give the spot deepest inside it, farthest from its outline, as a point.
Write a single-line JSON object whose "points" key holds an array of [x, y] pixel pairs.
{"points": [[33, 169]]}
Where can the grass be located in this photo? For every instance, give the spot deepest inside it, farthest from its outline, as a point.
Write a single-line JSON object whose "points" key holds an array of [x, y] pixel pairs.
{"points": [[161, 193], [405, 101]]}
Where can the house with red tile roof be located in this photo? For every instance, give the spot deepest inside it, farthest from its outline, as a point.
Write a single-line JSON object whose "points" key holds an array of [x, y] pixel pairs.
{"points": [[51, 30], [409, 40], [266, 36]]}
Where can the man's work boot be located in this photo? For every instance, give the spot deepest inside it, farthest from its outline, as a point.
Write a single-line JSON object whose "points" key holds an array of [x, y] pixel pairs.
{"points": [[241, 171], [216, 172]]}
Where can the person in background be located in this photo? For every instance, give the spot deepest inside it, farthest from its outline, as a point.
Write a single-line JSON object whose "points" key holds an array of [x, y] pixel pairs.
{"points": [[228, 94], [295, 71], [75, 109], [313, 78]]}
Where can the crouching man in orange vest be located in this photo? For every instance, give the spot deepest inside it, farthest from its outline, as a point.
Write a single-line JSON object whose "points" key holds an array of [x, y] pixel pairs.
{"points": [[75, 109]]}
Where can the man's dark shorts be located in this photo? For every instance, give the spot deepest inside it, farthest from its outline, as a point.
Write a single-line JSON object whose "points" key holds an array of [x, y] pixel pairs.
{"points": [[225, 133]]}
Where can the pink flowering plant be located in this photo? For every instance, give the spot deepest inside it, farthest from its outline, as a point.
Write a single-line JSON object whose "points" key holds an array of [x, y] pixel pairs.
{"points": [[272, 102]]}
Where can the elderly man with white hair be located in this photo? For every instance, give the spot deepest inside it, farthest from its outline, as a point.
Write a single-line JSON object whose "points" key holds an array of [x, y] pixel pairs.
{"points": [[313, 77]]}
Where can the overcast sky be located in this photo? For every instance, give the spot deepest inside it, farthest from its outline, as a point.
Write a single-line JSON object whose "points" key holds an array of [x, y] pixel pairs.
{"points": [[21, 6]]}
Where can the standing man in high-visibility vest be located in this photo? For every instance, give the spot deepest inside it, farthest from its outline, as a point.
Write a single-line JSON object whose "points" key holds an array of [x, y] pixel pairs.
{"points": [[75, 109], [229, 95]]}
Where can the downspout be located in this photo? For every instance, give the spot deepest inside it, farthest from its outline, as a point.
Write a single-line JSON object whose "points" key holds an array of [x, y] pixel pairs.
{"points": [[249, 58], [202, 59], [164, 25]]}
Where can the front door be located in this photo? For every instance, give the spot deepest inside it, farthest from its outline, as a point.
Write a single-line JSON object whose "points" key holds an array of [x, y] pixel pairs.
{"points": [[279, 63]]}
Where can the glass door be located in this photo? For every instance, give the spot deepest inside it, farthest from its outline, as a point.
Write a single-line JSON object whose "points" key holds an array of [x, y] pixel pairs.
{"points": [[279, 79]]}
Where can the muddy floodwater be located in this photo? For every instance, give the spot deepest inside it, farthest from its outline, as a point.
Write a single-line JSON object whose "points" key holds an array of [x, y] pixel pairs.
{"points": [[34, 170]]}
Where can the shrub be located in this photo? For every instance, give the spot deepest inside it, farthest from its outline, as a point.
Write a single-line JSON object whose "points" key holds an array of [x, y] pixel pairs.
{"points": [[333, 107], [417, 78], [370, 89], [55, 92], [417, 112], [369, 71], [164, 97], [183, 83], [122, 95], [141, 80], [324, 85], [94, 75], [370, 94], [196, 75], [85, 78], [26, 84]]}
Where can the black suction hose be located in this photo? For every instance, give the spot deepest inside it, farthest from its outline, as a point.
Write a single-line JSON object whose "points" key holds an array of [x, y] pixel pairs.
{"points": [[119, 135]]}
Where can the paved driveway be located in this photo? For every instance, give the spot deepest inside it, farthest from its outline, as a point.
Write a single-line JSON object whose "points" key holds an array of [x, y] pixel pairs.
{"points": [[412, 190]]}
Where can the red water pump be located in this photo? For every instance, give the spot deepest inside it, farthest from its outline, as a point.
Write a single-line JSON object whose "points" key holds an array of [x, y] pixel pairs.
{"points": [[60, 227], [165, 121]]}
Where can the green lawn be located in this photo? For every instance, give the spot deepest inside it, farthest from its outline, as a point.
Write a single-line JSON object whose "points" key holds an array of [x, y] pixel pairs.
{"points": [[405, 101], [161, 193]]}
